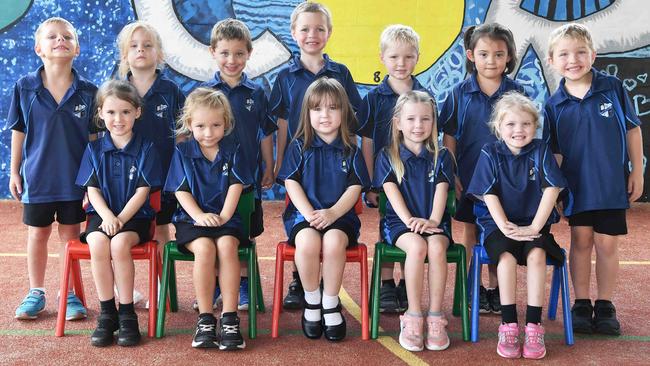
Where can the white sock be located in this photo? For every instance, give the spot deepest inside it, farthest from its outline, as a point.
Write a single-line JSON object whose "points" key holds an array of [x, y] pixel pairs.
{"points": [[330, 302], [312, 298]]}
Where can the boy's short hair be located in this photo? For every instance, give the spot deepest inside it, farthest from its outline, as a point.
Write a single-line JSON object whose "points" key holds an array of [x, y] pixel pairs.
{"points": [[572, 30], [512, 100], [399, 33], [52, 20], [231, 29], [311, 7]]}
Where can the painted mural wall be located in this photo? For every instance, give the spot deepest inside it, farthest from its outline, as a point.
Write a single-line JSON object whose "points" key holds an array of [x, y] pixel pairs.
{"points": [[620, 28]]}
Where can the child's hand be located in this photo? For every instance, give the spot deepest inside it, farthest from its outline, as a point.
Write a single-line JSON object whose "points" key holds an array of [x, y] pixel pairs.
{"points": [[458, 187], [268, 178], [208, 219], [528, 231], [111, 226], [16, 186], [322, 219], [635, 185], [372, 199], [422, 226]]}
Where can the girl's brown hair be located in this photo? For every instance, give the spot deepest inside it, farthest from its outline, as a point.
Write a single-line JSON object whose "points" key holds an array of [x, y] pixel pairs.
{"points": [[120, 89], [495, 32], [204, 98]]}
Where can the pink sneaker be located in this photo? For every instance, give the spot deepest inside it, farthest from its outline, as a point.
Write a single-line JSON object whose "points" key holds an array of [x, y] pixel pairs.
{"points": [[534, 347], [411, 329], [437, 339], [508, 346]]}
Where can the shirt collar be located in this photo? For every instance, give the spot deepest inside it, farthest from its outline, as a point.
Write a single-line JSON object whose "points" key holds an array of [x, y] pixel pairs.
{"points": [[336, 144], [34, 81], [295, 65], [503, 149], [132, 148], [598, 84], [474, 87], [406, 154], [217, 81], [385, 89], [158, 86]]}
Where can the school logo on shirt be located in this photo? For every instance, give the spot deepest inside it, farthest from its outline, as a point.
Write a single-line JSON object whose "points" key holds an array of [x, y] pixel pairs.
{"points": [[224, 170], [249, 104], [132, 172], [79, 110], [160, 110], [605, 109], [532, 173], [431, 176], [344, 166]]}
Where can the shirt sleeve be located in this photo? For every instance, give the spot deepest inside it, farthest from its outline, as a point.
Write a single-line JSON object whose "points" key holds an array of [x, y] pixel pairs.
{"points": [[277, 103], [267, 124], [87, 175], [365, 118], [150, 169], [448, 118], [484, 180], [93, 128], [631, 118], [292, 163], [383, 170], [359, 174], [238, 173], [446, 168], [550, 173], [15, 117], [551, 134], [353, 92], [176, 174]]}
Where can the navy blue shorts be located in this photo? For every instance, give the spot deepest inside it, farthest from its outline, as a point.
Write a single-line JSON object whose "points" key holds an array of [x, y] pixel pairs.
{"points": [[608, 222], [465, 210], [187, 233], [496, 244], [167, 208], [347, 229], [257, 220], [139, 226], [43, 214]]}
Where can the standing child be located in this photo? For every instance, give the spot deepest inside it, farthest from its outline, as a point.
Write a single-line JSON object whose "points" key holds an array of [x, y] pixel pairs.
{"points": [[595, 134], [311, 28], [324, 173], [118, 171], [231, 46], [491, 54], [50, 116], [518, 181], [207, 178], [399, 52], [416, 175]]}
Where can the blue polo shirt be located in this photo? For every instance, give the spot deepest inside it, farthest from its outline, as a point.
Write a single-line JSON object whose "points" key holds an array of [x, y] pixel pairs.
{"points": [[252, 121], [292, 83], [590, 134], [324, 171], [208, 181], [119, 172], [376, 113], [465, 115], [422, 173], [518, 181], [162, 105], [55, 136]]}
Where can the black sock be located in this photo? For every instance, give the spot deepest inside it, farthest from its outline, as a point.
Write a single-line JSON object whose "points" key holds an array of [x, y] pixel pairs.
{"points": [[533, 314], [127, 308], [244, 278], [390, 283], [602, 302], [509, 313], [108, 306], [295, 275], [583, 301], [402, 283]]}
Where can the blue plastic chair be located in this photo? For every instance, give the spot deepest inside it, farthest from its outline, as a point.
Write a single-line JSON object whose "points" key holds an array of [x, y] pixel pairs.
{"points": [[560, 281]]}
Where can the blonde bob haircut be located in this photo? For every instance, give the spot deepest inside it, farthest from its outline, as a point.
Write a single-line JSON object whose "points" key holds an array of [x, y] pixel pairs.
{"points": [[204, 98], [512, 100], [124, 42]]}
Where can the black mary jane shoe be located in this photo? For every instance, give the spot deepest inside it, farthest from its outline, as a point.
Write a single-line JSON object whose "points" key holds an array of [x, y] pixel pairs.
{"points": [[312, 329], [334, 333]]}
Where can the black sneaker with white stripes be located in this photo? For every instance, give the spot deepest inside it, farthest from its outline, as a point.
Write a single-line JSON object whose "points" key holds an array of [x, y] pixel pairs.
{"points": [[230, 337], [206, 332]]}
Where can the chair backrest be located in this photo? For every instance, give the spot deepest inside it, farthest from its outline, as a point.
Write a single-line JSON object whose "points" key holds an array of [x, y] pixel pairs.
{"points": [[451, 203], [245, 209]]}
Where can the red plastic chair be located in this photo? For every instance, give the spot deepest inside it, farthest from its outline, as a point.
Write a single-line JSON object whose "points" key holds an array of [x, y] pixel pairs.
{"points": [[286, 252], [75, 250]]}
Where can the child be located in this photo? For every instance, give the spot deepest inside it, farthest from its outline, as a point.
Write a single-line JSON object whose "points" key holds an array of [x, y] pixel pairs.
{"points": [[518, 181], [141, 57], [399, 52], [231, 47], [324, 173], [311, 28], [50, 117], [595, 134], [207, 179], [491, 54], [416, 175], [118, 171]]}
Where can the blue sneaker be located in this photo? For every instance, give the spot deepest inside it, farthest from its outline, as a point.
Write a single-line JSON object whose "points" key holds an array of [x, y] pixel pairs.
{"points": [[32, 305], [75, 310], [243, 294], [216, 299]]}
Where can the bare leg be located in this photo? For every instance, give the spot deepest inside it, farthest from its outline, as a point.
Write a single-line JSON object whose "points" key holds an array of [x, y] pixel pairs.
{"points": [[227, 247], [536, 276], [416, 250], [582, 243], [334, 244], [307, 258], [507, 272], [606, 264], [203, 273], [123, 266], [437, 254], [100, 264]]}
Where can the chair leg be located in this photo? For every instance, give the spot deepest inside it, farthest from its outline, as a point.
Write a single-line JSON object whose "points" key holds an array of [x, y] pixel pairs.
{"points": [[173, 294], [461, 273], [476, 280], [566, 306], [260, 295], [63, 290], [555, 292], [277, 290], [374, 301], [456, 304], [77, 282], [164, 293], [153, 288], [364, 292], [252, 293]]}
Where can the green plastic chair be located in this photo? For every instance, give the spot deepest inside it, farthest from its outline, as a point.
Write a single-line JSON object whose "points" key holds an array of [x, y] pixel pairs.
{"points": [[385, 253], [171, 254]]}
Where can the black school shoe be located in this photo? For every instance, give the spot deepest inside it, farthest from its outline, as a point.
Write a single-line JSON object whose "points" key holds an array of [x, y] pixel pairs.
{"points": [[205, 335], [295, 296], [311, 329], [129, 332], [230, 337], [605, 321], [581, 316], [494, 300], [388, 301], [334, 333], [483, 301], [107, 324]]}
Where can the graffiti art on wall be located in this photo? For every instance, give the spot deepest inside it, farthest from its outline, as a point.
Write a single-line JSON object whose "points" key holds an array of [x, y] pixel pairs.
{"points": [[185, 28]]}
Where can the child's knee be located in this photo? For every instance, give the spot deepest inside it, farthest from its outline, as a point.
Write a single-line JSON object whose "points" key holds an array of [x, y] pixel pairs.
{"points": [[536, 257], [506, 259]]}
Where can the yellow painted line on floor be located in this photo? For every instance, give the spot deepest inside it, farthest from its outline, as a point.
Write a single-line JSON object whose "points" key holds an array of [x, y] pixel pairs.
{"points": [[51, 255], [388, 342]]}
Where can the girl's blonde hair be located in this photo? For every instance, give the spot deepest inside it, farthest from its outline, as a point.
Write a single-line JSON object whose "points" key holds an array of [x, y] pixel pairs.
{"points": [[124, 41], [52, 20], [320, 91], [572, 30], [397, 138], [311, 7], [204, 98], [119, 89], [509, 101]]}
